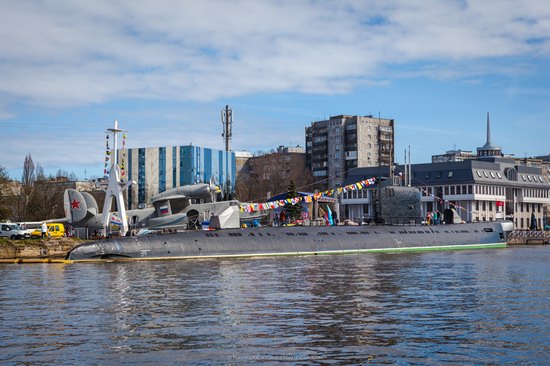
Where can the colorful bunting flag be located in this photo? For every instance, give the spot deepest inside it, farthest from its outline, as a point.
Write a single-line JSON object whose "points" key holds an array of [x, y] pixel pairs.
{"points": [[310, 198]]}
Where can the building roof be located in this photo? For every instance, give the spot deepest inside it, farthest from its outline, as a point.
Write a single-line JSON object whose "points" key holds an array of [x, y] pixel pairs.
{"points": [[492, 172]]}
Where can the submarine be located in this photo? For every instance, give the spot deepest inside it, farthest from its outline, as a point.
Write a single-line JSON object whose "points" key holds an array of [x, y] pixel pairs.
{"points": [[399, 229]]}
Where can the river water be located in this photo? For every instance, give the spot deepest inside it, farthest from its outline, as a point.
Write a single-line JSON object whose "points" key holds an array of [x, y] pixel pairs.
{"points": [[456, 307]]}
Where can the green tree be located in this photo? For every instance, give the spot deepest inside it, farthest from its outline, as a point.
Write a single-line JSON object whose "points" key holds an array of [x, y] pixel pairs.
{"points": [[293, 211]]}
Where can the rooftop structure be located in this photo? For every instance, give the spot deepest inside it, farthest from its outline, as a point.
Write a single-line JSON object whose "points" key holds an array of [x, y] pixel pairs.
{"points": [[489, 149]]}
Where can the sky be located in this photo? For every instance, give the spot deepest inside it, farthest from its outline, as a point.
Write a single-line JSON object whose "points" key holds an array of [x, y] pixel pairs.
{"points": [[165, 69]]}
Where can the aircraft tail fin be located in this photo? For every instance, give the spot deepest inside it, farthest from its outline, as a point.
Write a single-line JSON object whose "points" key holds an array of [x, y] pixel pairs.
{"points": [[90, 203], [78, 206], [164, 208]]}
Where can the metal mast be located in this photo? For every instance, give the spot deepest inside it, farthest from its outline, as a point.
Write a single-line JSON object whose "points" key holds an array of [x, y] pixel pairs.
{"points": [[115, 187], [227, 122]]}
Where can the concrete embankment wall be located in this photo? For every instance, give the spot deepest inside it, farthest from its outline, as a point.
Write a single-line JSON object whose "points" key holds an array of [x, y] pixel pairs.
{"points": [[523, 237], [11, 249]]}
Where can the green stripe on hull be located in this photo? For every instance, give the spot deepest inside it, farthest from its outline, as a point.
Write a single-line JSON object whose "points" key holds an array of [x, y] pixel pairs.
{"points": [[328, 252]]}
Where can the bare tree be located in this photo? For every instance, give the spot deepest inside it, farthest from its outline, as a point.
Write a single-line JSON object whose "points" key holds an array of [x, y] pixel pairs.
{"points": [[62, 174], [28, 177], [271, 174], [46, 200], [18, 207], [4, 194], [39, 172]]}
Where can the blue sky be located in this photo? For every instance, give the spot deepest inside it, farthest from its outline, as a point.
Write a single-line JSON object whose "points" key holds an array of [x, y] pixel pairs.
{"points": [[165, 69]]}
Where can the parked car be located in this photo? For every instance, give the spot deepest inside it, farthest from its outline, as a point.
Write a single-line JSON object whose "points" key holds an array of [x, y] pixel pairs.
{"points": [[12, 231], [55, 230], [29, 227]]}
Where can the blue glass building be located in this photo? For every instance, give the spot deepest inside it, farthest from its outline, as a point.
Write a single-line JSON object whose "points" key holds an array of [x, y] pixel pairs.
{"points": [[157, 169]]}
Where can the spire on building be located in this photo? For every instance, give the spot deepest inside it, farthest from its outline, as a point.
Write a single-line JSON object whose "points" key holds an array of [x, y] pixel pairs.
{"points": [[488, 131], [489, 149]]}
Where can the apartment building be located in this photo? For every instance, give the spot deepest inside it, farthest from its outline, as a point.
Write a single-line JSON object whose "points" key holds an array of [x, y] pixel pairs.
{"points": [[337, 146]]}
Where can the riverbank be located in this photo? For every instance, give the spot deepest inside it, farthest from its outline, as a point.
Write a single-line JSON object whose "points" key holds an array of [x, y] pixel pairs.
{"points": [[36, 249]]}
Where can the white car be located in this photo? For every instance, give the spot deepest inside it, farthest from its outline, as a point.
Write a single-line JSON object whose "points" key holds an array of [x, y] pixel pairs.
{"points": [[13, 231]]}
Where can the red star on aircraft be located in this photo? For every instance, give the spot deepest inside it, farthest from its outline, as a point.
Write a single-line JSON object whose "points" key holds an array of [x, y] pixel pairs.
{"points": [[75, 205]]}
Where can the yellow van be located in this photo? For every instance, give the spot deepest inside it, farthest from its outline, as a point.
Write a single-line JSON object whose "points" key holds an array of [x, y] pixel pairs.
{"points": [[55, 230]]}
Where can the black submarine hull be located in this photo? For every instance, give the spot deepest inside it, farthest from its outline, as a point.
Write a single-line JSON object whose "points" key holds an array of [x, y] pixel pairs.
{"points": [[298, 240]]}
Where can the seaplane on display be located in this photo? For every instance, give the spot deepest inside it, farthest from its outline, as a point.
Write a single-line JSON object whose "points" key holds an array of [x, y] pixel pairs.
{"points": [[178, 208]]}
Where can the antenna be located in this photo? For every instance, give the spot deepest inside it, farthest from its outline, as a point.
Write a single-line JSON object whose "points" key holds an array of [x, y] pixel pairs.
{"points": [[227, 122]]}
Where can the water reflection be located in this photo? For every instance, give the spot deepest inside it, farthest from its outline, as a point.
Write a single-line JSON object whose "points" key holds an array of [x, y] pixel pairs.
{"points": [[449, 307]]}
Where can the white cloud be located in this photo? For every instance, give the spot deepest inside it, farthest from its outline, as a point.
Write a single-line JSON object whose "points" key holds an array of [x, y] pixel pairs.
{"points": [[57, 55], [67, 53]]}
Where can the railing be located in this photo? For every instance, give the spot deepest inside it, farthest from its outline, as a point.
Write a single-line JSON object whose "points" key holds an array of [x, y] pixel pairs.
{"points": [[392, 221], [403, 221], [522, 237]]}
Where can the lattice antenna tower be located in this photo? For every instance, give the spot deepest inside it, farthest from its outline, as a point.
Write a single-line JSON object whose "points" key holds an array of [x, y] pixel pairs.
{"points": [[227, 122]]}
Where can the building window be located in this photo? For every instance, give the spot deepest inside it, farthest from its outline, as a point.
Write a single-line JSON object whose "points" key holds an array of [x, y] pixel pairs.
{"points": [[141, 175], [470, 189], [450, 174], [162, 169], [174, 166], [438, 175], [130, 192]]}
